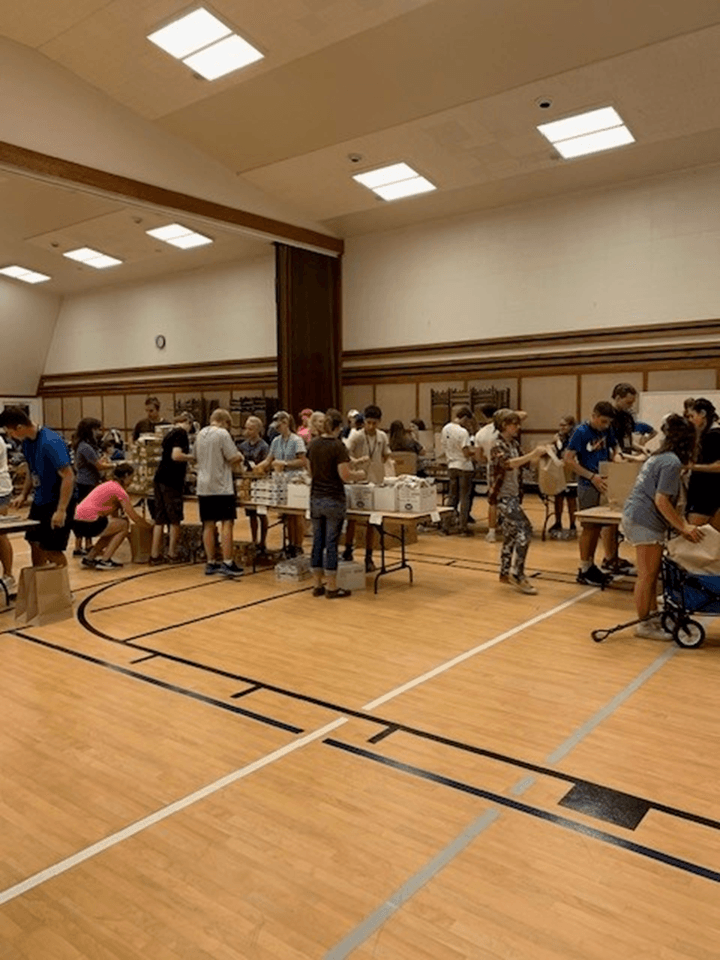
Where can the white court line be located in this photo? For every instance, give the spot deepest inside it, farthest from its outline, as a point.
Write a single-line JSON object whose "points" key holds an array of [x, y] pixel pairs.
{"points": [[449, 664], [64, 865]]}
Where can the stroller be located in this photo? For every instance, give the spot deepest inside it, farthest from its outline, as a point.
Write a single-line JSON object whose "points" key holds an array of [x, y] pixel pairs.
{"points": [[684, 594]]}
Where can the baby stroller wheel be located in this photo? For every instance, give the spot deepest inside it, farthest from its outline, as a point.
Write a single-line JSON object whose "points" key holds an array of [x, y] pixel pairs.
{"points": [[668, 620], [689, 634]]}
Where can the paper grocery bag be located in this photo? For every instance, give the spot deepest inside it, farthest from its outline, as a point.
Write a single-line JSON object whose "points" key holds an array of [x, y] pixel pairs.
{"points": [[140, 542], [43, 596]]}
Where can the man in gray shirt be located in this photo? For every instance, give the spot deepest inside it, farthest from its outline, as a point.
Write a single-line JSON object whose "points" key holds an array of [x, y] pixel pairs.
{"points": [[216, 455]]}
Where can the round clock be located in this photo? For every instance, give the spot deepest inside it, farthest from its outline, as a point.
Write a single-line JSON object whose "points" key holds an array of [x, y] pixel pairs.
{"points": [[160, 341]]}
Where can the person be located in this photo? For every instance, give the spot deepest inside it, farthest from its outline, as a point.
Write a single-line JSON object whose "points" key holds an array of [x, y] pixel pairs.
{"points": [[455, 442], [650, 510], [89, 464], [6, 550], [329, 463], [97, 516], [352, 423], [507, 459], [304, 429], [688, 404], [216, 455], [112, 444], [369, 449], [316, 426], [591, 443], [51, 475], [254, 449], [624, 396], [273, 429], [287, 455], [169, 486], [569, 494], [703, 496], [400, 439], [485, 437], [151, 419]]}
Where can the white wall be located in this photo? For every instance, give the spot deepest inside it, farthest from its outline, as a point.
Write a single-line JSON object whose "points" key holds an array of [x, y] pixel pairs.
{"points": [[27, 316], [218, 313], [642, 253]]}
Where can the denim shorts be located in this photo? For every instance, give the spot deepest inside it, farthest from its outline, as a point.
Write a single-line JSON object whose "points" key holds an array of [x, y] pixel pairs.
{"points": [[639, 536]]}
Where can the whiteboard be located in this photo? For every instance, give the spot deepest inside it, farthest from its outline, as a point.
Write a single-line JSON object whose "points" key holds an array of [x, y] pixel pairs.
{"points": [[654, 405]]}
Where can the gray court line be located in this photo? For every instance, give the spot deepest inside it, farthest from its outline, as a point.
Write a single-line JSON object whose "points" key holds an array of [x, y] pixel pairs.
{"points": [[377, 918]]}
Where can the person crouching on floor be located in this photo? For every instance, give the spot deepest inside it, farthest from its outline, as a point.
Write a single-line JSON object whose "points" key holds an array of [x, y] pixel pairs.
{"points": [[97, 516]]}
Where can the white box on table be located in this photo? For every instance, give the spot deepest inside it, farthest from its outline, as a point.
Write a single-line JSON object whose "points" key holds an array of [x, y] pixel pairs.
{"points": [[385, 499], [416, 499], [360, 496], [298, 495]]}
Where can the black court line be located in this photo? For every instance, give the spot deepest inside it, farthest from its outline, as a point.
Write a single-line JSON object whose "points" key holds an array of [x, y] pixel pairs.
{"points": [[173, 688], [150, 656], [658, 855], [243, 693]]}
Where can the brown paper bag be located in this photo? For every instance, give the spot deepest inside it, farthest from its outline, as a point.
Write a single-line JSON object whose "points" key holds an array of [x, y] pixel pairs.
{"points": [[43, 596], [140, 542]]}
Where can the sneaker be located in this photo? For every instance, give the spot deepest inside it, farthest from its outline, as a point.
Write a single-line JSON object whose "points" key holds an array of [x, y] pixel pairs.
{"points": [[334, 594], [105, 565], [10, 585], [347, 554], [173, 561], [651, 630], [620, 567], [593, 577], [211, 568], [467, 533], [369, 565], [156, 561], [79, 552], [113, 563], [555, 532], [572, 533], [88, 562], [522, 584], [490, 536], [504, 578], [231, 570]]}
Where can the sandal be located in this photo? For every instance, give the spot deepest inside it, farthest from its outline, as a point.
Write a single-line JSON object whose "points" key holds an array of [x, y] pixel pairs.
{"points": [[333, 594]]}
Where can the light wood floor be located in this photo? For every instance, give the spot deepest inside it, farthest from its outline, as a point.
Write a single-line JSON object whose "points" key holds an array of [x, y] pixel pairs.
{"points": [[205, 770]]}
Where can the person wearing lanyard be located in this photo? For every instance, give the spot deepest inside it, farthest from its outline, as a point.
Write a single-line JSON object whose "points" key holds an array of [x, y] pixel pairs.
{"points": [[287, 455]]}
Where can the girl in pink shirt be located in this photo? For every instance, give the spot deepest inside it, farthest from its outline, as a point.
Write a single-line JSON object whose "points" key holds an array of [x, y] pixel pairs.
{"points": [[97, 516]]}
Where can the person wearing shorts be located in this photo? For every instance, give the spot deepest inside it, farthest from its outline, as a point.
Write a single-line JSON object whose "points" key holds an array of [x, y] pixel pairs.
{"points": [[591, 443], [650, 511], [97, 516], [51, 476], [216, 455], [169, 486]]}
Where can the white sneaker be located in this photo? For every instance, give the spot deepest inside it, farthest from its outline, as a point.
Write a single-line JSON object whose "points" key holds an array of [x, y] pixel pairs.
{"points": [[522, 584], [11, 584], [490, 536], [652, 630]]}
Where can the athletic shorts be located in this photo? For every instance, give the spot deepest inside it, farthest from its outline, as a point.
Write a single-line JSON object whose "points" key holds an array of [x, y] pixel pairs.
{"points": [[168, 504], [588, 496], [49, 538], [89, 528], [217, 508]]}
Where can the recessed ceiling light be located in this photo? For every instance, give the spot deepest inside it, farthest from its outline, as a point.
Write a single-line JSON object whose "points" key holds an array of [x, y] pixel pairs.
{"points": [[205, 44], [587, 133], [24, 274], [394, 181], [222, 58], [92, 258], [190, 33], [179, 236]]}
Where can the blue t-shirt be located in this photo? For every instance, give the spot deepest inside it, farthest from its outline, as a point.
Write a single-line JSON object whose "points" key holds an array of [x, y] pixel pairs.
{"points": [[591, 447], [46, 454], [659, 474]]}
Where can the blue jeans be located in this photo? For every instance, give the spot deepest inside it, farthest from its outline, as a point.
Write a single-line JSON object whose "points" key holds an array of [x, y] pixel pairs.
{"points": [[327, 516]]}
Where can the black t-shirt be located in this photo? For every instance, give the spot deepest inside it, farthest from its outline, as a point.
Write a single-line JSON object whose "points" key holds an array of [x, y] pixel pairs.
{"points": [[172, 472], [706, 486], [324, 454], [623, 425]]}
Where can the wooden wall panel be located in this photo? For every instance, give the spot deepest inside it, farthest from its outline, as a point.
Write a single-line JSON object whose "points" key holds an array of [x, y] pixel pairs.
{"points": [[114, 411], [542, 397], [92, 407], [599, 386], [357, 397], [52, 413], [694, 381], [397, 402], [71, 412]]}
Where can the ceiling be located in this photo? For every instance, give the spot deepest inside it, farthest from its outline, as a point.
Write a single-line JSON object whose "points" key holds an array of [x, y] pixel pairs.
{"points": [[449, 86]]}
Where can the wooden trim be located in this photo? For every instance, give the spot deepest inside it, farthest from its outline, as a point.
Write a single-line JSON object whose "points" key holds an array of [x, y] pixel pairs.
{"points": [[66, 171]]}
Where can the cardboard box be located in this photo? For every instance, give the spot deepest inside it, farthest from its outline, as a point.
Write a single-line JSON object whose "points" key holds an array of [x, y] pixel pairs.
{"points": [[351, 575], [621, 477], [416, 499], [385, 499], [293, 570], [298, 495]]}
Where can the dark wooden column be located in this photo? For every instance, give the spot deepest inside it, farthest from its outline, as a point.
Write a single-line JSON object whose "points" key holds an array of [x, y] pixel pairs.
{"points": [[308, 328]]}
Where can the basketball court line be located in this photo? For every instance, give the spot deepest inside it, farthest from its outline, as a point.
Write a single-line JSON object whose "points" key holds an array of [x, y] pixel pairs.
{"points": [[164, 812]]}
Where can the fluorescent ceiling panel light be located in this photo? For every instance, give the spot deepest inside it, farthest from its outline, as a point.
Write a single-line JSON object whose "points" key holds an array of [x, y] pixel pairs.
{"points": [[22, 273], [169, 232], [594, 143], [385, 175], [189, 240], [583, 123], [82, 254], [222, 58], [190, 33], [405, 188]]}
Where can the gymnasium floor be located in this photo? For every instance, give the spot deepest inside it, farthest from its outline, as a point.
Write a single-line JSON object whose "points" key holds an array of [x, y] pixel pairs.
{"points": [[196, 769]]}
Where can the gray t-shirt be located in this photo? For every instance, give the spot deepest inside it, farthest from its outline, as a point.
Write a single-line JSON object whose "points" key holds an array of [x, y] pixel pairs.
{"points": [[214, 449], [659, 474]]}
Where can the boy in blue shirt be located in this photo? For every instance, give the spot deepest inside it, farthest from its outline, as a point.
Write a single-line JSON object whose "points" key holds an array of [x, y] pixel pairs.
{"points": [[51, 476], [591, 443]]}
